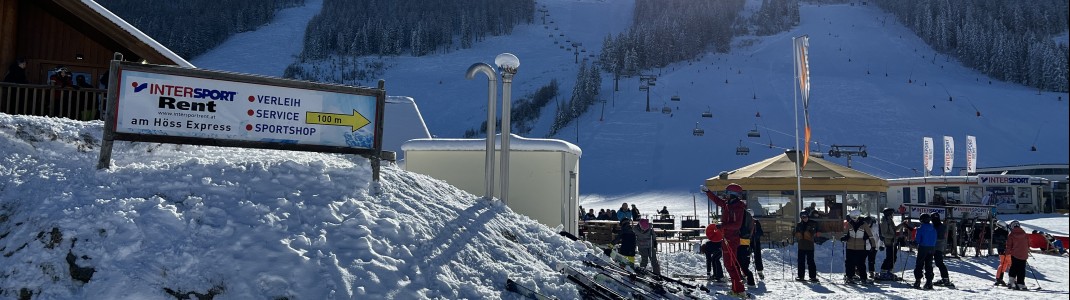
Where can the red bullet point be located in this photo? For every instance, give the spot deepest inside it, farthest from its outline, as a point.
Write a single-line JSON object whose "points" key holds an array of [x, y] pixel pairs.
{"points": [[248, 126], [134, 84], [251, 98], [250, 112]]}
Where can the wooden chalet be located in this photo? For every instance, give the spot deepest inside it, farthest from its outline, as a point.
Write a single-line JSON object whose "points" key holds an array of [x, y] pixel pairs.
{"points": [[78, 34]]}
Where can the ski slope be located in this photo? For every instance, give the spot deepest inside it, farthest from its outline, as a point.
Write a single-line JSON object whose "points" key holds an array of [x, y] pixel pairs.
{"points": [[874, 83]]}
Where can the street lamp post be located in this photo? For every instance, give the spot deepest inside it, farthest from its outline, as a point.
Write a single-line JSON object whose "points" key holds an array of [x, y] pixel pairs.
{"points": [[507, 64], [492, 85]]}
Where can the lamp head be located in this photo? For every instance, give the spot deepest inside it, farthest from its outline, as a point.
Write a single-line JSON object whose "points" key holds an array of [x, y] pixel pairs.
{"points": [[507, 62]]}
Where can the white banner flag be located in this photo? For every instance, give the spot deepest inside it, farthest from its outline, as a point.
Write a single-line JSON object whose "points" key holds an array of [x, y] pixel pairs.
{"points": [[949, 154], [971, 154], [927, 154]]}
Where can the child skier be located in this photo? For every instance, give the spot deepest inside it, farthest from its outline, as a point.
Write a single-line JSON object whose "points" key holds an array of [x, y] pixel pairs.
{"points": [[1018, 249], [626, 240], [647, 242], [712, 250]]}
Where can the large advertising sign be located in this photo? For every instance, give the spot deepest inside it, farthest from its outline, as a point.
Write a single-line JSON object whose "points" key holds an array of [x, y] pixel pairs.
{"points": [[172, 105], [166, 104], [954, 211], [917, 210]]}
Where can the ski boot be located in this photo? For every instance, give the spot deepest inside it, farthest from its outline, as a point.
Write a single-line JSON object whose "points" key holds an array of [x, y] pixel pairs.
{"points": [[814, 280], [884, 275], [928, 285], [740, 295], [800, 278], [999, 282], [945, 283], [917, 284], [761, 275]]}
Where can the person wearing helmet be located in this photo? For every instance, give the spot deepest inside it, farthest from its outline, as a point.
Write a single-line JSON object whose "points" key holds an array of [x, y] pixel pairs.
{"points": [[999, 240], [805, 233], [647, 242], [889, 233], [925, 237], [938, 254], [731, 221], [856, 236], [712, 251], [1018, 249]]}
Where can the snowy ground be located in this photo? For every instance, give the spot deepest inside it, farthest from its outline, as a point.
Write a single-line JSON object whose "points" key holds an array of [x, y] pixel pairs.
{"points": [[171, 220]]}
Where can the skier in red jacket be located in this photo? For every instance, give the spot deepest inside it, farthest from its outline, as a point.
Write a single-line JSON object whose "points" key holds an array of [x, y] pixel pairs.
{"points": [[731, 220]]}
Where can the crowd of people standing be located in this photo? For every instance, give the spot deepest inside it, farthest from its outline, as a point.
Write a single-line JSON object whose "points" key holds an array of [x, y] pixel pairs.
{"points": [[735, 242]]}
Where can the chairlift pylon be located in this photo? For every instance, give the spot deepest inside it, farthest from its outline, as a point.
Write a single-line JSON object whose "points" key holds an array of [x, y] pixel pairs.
{"points": [[742, 150], [697, 131]]}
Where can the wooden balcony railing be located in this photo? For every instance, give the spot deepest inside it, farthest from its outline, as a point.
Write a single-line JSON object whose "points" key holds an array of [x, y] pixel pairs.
{"points": [[42, 100]]}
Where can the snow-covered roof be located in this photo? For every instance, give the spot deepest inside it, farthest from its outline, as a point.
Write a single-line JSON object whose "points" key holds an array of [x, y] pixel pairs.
{"points": [[402, 122], [516, 143], [141, 36]]}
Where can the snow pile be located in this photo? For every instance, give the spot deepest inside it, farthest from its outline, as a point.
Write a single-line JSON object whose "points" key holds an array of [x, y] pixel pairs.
{"points": [[246, 224]]}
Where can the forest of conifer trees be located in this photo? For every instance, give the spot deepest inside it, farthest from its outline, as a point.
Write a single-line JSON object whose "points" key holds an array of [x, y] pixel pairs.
{"points": [[192, 27], [1008, 40]]}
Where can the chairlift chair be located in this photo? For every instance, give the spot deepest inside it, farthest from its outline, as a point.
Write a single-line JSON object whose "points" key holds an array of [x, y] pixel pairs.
{"points": [[675, 98], [754, 133], [666, 110], [697, 131], [707, 114], [742, 150]]}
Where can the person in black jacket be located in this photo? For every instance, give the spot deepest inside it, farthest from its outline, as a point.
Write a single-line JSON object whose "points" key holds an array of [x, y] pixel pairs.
{"points": [[626, 240], [999, 239], [16, 73], [805, 233]]}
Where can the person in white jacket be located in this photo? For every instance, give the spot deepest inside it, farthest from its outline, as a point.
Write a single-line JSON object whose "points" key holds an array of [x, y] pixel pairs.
{"points": [[871, 247], [858, 238]]}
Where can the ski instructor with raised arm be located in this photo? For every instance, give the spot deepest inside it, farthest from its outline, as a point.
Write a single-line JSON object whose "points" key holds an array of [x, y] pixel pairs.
{"points": [[731, 220]]}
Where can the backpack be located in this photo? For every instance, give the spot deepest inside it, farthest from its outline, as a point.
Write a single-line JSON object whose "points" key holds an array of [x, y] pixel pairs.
{"points": [[746, 228]]}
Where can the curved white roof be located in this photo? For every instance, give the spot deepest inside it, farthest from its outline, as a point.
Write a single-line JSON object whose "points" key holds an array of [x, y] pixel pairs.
{"points": [[516, 143]]}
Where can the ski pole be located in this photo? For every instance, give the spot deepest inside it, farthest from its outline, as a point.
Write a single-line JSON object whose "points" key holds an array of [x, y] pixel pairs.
{"points": [[832, 261], [904, 273], [1031, 270]]}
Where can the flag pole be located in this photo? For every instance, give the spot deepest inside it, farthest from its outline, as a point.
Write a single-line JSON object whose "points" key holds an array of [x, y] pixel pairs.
{"points": [[795, 96]]}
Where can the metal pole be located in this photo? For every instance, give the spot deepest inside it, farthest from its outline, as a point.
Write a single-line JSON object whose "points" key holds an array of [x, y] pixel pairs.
{"points": [[508, 64], [492, 86], [798, 167], [648, 98]]}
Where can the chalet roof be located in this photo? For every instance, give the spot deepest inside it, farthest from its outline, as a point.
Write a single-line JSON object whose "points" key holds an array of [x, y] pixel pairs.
{"points": [[114, 27]]}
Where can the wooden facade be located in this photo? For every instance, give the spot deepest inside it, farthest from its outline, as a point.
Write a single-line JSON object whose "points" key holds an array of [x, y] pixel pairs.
{"points": [[71, 33]]}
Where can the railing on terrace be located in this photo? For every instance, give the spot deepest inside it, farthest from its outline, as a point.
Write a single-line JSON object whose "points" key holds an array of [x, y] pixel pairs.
{"points": [[43, 100]]}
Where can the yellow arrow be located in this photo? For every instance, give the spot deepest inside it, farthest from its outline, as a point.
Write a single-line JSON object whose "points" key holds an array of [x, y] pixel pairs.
{"points": [[356, 120]]}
